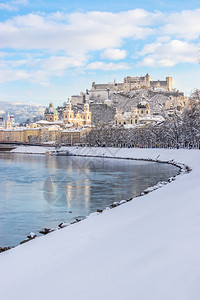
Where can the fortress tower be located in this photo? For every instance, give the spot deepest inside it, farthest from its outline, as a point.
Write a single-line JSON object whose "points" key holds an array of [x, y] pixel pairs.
{"points": [[169, 83]]}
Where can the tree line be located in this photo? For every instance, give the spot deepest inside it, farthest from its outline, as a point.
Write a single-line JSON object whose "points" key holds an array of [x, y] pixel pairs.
{"points": [[179, 131]]}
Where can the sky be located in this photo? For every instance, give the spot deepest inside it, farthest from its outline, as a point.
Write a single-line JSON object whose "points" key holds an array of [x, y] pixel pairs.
{"points": [[51, 50]]}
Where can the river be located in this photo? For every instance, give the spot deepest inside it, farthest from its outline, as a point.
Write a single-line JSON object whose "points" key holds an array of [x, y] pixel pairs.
{"points": [[38, 191]]}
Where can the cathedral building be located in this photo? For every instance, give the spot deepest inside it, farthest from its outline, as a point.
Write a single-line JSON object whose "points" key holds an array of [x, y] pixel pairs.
{"points": [[51, 114], [80, 119]]}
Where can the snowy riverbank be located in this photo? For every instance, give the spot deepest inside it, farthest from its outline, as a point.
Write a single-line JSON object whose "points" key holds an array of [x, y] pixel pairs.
{"points": [[31, 149], [147, 248]]}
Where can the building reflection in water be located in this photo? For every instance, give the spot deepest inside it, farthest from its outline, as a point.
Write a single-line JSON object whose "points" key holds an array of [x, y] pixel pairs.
{"points": [[39, 191]]}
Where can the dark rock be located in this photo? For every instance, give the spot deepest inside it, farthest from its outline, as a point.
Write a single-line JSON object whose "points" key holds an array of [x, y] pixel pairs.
{"points": [[24, 241], [99, 210], [130, 199], [63, 224], [31, 236], [122, 202], [2, 249], [81, 218], [113, 205], [45, 231], [60, 225]]}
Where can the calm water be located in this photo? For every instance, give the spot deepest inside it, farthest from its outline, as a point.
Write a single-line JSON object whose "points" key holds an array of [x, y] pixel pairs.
{"points": [[39, 191]]}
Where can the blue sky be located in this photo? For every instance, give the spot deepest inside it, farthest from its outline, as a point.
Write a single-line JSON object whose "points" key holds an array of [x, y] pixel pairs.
{"points": [[55, 49]]}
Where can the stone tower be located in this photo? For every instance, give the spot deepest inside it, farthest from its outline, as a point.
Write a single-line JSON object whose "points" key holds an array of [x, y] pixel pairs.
{"points": [[169, 83], [68, 113], [8, 123], [86, 115]]}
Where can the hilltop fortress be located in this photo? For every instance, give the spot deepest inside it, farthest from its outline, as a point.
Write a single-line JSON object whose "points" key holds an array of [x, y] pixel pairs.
{"points": [[134, 83], [107, 99], [105, 91]]}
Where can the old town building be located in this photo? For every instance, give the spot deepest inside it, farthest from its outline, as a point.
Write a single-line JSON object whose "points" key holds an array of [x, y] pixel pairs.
{"points": [[80, 119], [70, 130], [137, 116]]}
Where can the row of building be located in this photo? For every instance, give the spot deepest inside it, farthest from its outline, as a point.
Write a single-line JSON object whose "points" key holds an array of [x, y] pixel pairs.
{"points": [[35, 135], [140, 115], [71, 130]]}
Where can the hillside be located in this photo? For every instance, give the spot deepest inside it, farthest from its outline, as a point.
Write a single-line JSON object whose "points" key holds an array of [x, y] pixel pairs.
{"points": [[21, 111]]}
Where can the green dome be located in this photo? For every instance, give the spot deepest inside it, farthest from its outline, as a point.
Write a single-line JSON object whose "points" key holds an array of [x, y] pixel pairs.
{"points": [[50, 111]]}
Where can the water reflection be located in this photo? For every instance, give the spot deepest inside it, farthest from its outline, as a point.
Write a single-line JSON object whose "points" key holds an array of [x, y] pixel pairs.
{"points": [[39, 191]]}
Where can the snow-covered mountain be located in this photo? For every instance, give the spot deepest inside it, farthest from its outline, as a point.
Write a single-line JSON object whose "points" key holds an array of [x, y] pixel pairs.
{"points": [[21, 111]]}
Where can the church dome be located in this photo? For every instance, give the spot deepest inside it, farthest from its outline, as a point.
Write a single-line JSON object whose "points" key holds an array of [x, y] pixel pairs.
{"points": [[50, 110], [143, 103]]}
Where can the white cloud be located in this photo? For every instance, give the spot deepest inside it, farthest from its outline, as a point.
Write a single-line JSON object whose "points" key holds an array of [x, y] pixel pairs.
{"points": [[8, 75], [3, 54], [183, 25], [7, 6], [12, 5], [61, 63], [39, 69], [169, 54], [81, 32], [99, 65], [53, 43], [114, 54]]}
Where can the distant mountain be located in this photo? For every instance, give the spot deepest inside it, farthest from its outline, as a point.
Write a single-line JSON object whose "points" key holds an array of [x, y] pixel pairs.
{"points": [[21, 111]]}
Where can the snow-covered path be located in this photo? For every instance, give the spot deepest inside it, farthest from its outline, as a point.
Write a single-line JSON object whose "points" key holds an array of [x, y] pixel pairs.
{"points": [[148, 248]]}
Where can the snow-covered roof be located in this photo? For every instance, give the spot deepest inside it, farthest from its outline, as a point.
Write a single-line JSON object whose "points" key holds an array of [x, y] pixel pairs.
{"points": [[73, 130], [151, 118], [49, 122]]}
